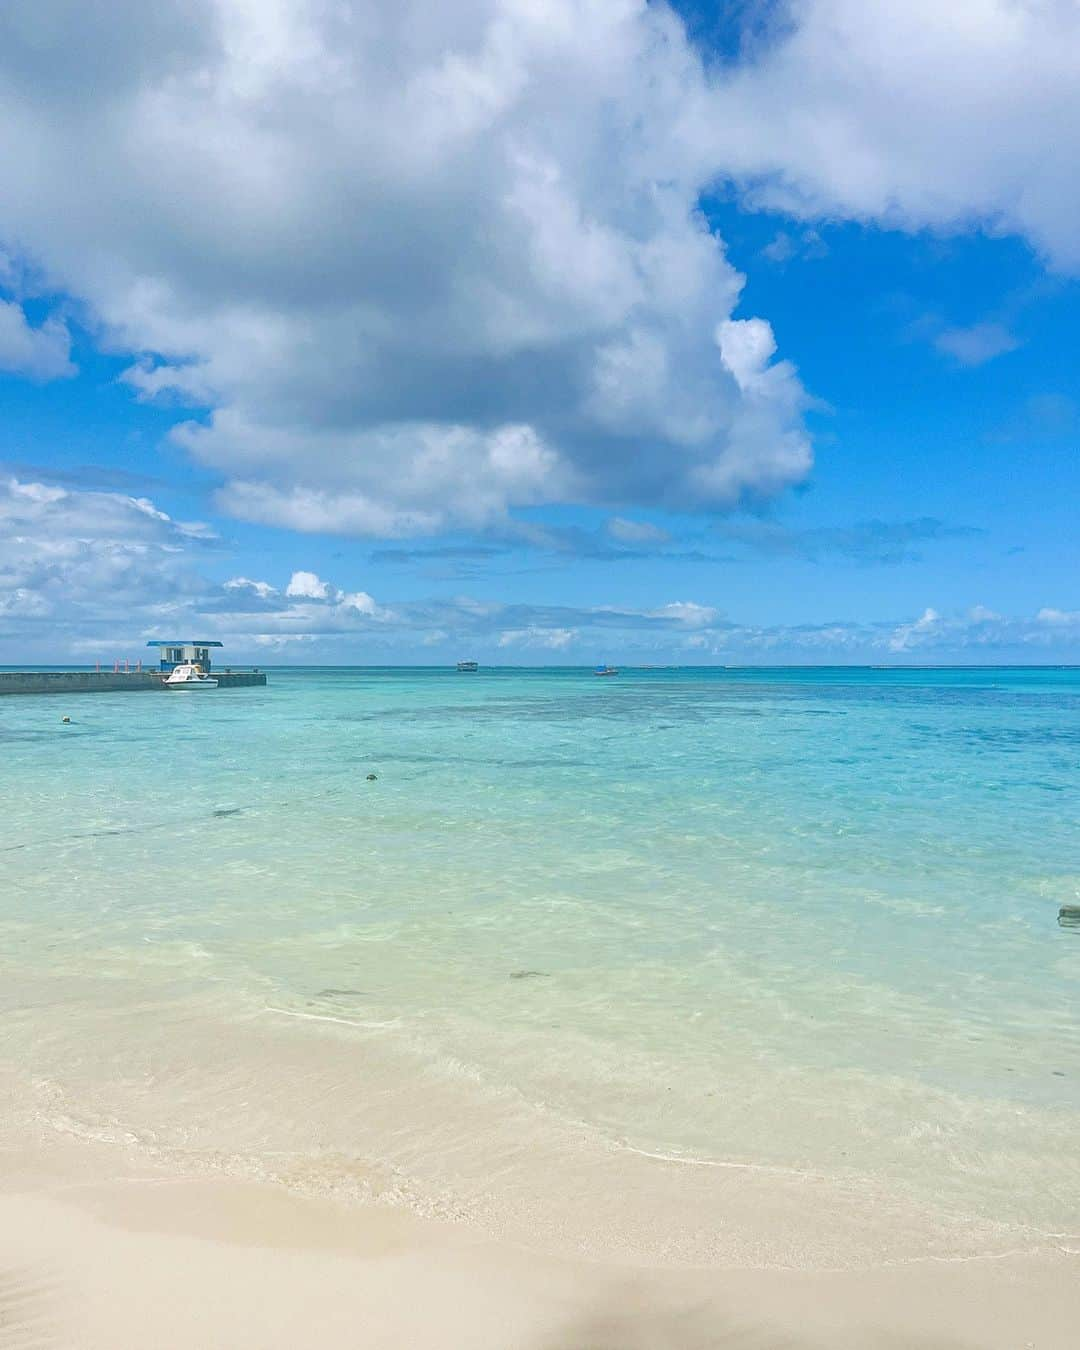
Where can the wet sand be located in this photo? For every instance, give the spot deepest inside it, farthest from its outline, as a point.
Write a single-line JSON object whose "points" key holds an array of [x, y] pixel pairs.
{"points": [[94, 1259]]}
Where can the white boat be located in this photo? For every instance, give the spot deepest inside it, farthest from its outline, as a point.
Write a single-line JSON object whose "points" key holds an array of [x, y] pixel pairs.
{"points": [[605, 670], [469, 666], [189, 676]]}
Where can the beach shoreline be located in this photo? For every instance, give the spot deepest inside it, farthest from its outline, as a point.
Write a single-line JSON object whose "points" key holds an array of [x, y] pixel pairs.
{"points": [[96, 1255], [618, 1025]]}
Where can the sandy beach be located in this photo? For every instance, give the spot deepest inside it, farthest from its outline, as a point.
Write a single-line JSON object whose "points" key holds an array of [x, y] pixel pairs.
{"points": [[97, 1257]]}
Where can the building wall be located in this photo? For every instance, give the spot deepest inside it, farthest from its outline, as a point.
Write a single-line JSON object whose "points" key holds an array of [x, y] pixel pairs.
{"points": [[168, 660]]}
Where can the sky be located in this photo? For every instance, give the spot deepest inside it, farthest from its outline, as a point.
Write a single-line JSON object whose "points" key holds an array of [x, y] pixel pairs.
{"points": [[540, 331]]}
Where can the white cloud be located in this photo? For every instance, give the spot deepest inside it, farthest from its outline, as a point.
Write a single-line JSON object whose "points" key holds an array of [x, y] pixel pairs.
{"points": [[746, 348], [90, 575], [783, 247], [42, 353], [976, 345], [279, 641], [22, 604], [392, 481], [74, 557], [780, 249], [640, 532], [984, 628], [421, 263], [687, 612], [1059, 618], [911, 634], [262, 589], [552, 639], [914, 113], [362, 603], [308, 586]]}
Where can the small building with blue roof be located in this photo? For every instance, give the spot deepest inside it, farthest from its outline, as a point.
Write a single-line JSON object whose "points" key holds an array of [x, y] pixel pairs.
{"points": [[177, 652]]}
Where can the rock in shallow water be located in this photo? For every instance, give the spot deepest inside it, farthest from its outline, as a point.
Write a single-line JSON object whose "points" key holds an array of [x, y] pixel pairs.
{"points": [[1069, 916]]}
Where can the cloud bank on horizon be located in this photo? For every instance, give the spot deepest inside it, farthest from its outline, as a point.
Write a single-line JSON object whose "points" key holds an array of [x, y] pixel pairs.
{"points": [[413, 268], [102, 570]]}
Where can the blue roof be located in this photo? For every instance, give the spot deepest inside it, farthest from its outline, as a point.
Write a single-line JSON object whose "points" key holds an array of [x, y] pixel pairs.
{"points": [[184, 642]]}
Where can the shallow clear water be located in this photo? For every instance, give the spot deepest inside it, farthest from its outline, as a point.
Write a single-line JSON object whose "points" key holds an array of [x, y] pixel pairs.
{"points": [[748, 965]]}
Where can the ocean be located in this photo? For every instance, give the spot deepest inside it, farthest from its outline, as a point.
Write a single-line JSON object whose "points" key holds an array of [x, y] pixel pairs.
{"points": [[760, 967]]}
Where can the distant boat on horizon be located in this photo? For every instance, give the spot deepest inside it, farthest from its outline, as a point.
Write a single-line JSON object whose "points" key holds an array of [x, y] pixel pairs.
{"points": [[605, 670], [469, 666]]}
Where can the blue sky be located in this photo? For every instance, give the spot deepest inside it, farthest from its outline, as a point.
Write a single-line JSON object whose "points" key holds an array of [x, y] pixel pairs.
{"points": [[617, 343]]}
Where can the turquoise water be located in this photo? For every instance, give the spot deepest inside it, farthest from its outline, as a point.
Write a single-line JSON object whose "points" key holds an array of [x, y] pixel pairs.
{"points": [[747, 965]]}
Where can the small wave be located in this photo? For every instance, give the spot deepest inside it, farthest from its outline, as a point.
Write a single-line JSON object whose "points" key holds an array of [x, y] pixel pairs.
{"points": [[325, 1017], [724, 1162]]}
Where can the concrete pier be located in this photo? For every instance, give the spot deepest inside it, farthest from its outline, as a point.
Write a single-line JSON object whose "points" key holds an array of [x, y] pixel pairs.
{"points": [[110, 681]]}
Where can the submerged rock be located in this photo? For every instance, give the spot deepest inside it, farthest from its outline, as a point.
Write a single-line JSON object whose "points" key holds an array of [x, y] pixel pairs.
{"points": [[529, 975], [1069, 916], [372, 777]]}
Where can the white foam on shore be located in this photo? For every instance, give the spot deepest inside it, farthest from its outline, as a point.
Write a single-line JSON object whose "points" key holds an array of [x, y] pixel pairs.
{"points": [[325, 1017], [725, 1162]]}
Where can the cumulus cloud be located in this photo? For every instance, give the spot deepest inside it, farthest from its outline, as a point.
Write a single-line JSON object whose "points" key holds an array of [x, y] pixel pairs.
{"points": [[307, 585], [262, 589], [914, 114], [415, 265], [82, 571], [42, 353], [910, 635], [363, 603], [310, 586], [73, 557], [35, 514]]}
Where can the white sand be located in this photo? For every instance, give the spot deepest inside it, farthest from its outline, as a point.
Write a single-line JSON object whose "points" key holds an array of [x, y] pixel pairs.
{"points": [[156, 1262]]}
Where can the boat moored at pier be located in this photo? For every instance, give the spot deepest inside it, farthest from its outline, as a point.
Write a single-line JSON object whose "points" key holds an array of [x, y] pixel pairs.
{"points": [[189, 676]]}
